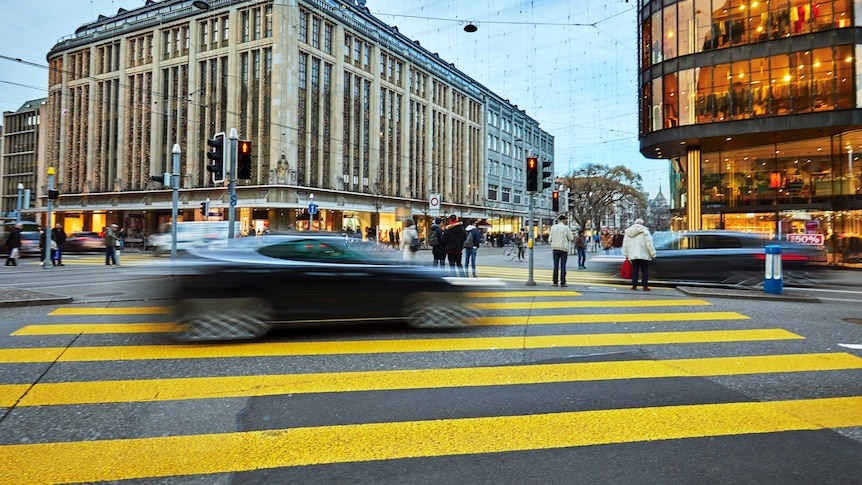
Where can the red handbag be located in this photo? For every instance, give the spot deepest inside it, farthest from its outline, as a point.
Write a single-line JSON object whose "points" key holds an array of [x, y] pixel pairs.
{"points": [[626, 269]]}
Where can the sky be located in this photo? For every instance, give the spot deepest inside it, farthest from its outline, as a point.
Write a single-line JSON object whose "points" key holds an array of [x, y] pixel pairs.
{"points": [[569, 64]]}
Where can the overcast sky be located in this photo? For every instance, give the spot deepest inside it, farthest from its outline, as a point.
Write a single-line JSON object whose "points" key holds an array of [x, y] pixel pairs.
{"points": [[570, 64]]}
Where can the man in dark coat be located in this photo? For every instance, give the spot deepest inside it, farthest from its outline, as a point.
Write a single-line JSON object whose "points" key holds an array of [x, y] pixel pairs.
{"points": [[14, 243], [453, 240], [438, 250]]}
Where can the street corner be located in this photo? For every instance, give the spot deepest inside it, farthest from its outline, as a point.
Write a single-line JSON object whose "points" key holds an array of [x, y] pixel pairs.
{"points": [[16, 297]]}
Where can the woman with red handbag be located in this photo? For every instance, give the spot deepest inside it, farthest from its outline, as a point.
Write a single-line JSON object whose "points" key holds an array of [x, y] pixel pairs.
{"points": [[638, 248]]}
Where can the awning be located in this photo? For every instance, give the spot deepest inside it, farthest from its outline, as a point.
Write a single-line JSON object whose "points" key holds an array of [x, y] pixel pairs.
{"points": [[483, 223]]}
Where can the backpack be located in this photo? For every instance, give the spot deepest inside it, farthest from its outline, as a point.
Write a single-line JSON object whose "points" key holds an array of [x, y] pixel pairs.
{"points": [[480, 237], [468, 243], [434, 237], [414, 244]]}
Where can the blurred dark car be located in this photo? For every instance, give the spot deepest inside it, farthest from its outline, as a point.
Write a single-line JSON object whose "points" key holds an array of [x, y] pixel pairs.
{"points": [[241, 291], [30, 243], [727, 257], [83, 241]]}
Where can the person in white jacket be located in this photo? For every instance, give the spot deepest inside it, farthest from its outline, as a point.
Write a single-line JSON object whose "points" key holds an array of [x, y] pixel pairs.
{"points": [[639, 249], [409, 241], [560, 238]]}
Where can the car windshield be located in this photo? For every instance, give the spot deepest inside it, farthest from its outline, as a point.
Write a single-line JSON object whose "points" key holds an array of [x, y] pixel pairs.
{"points": [[331, 250]]}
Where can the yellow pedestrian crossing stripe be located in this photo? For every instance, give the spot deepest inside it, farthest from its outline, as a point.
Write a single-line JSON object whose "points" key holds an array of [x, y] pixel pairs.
{"points": [[122, 459], [111, 311], [270, 349], [609, 318], [95, 328], [539, 305], [117, 391]]}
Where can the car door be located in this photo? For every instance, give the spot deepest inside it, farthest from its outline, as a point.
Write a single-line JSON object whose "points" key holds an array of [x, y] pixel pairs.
{"points": [[319, 280]]}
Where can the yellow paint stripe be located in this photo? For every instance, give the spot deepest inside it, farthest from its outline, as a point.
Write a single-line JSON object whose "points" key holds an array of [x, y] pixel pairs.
{"points": [[270, 349], [95, 328], [538, 305], [609, 318], [68, 393], [153, 310], [86, 461], [519, 294]]}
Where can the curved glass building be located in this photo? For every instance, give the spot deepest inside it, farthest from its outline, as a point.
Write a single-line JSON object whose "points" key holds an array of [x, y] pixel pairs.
{"points": [[757, 107]]}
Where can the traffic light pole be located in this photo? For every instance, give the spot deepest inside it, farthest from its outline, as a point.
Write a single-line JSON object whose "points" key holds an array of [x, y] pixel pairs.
{"points": [[530, 281], [231, 186], [48, 227], [175, 188]]}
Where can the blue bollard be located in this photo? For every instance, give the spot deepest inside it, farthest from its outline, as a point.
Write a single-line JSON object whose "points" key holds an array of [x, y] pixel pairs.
{"points": [[772, 282]]}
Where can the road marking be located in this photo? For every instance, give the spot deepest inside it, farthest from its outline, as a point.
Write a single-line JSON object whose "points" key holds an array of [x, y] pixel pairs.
{"points": [[95, 328], [536, 305], [148, 390], [609, 318], [517, 294], [274, 349], [123, 459], [152, 310]]}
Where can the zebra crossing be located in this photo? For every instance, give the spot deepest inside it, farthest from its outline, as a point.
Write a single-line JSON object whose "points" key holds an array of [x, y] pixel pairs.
{"points": [[393, 363]]}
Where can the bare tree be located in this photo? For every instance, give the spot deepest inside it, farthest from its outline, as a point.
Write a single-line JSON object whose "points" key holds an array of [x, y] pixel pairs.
{"points": [[598, 189]]}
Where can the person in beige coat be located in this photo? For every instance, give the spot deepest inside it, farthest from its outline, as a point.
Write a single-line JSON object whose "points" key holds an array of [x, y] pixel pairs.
{"points": [[639, 249]]}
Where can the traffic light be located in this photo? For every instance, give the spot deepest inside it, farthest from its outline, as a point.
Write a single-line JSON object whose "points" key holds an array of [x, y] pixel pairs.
{"points": [[52, 195], [532, 174], [164, 179], [243, 160], [555, 201], [216, 156], [547, 173], [571, 203], [205, 208]]}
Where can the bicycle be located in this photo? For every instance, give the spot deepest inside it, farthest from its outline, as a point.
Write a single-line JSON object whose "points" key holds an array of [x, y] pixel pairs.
{"points": [[510, 252]]}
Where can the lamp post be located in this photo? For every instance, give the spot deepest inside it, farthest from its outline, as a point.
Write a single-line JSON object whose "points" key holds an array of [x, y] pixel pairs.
{"points": [[47, 262]]}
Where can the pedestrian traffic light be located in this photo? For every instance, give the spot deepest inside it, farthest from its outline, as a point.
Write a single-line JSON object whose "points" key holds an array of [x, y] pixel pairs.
{"points": [[547, 173], [532, 174], [164, 179], [205, 210], [216, 157], [555, 201], [243, 160], [52, 195], [571, 203]]}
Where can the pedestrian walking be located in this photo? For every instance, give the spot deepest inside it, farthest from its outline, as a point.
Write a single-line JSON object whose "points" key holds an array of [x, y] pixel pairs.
{"points": [[471, 248], [560, 239], [435, 240], [607, 241], [58, 235], [581, 246], [595, 241], [638, 248], [617, 242], [453, 240], [409, 241], [111, 245], [521, 242], [121, 236], [392, 237], [14, 244]]}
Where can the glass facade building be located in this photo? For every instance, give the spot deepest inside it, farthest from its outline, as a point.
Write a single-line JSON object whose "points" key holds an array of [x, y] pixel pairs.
{"points": [[756, 106]]}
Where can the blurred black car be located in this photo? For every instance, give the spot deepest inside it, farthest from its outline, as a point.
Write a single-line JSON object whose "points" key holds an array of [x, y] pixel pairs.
{"points": [[727, 257], [241, 291], [83, 241]]}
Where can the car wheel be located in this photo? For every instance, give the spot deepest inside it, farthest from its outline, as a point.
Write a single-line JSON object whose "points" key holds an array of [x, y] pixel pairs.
{"points": [[203, 319], [437, 310]]}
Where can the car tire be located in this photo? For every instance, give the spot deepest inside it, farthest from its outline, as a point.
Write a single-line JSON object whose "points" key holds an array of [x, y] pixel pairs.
{"points": [[209, 319], [437, 310]]}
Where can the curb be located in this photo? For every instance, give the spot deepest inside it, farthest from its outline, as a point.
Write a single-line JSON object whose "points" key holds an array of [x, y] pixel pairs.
{"points": [[747, 294], [15, 297]]}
